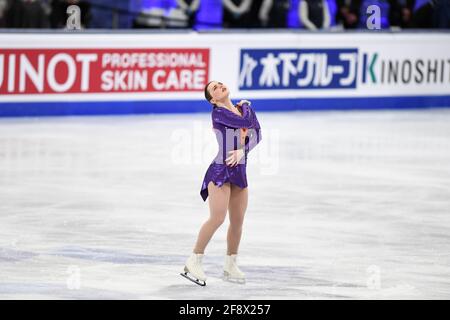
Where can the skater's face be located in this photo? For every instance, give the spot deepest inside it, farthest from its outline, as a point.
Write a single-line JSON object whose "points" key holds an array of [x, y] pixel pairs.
{"points": [[218, 91]]}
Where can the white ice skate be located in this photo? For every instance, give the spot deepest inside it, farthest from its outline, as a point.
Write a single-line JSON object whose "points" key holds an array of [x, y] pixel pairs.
{"points": [[193, 269], [231, 272]]}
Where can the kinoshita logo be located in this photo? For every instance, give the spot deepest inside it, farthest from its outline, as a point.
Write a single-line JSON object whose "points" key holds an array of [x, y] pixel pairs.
{"points": [[346, 68], [404, 71]]}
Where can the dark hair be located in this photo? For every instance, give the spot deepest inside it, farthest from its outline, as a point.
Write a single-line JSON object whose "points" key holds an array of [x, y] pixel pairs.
{"points": [[208, 95]]}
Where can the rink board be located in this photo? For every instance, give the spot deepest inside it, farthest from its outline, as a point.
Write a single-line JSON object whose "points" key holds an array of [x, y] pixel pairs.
{"points": [[127, 73]]}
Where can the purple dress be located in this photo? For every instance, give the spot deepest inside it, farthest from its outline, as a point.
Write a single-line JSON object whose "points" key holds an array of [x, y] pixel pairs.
{"points": [[227, 125]]}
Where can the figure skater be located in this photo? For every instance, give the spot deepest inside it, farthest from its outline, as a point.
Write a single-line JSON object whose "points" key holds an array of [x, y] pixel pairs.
{"points": [[237, 131]]}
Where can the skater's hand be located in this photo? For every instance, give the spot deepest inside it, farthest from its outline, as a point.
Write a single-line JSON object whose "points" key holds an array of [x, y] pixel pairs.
{"points": [[240, 103], [235, 157]]}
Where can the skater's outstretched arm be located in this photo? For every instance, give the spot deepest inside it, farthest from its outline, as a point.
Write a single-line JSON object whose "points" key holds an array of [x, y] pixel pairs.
{"points": [[230, 119]]}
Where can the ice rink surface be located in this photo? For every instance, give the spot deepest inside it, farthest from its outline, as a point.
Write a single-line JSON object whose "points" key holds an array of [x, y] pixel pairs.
{"points": [[342, 205]]}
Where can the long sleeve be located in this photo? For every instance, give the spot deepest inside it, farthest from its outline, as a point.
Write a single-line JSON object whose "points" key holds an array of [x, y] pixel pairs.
{"points": [[192, 7], [326, 15], [254, 134], [255, 137], [232, 120], [243, 7], [263, 14], [182, 4], [303, 13], [195, 5]]}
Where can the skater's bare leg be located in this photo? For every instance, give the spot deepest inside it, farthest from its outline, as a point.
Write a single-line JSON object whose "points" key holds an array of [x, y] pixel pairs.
{"points": [[218, 203], [236, 207]]}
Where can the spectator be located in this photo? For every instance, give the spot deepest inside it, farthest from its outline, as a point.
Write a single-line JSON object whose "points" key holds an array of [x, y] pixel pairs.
{"points": [[401, 13], [175, 18], [431, 14], [348, 13], [190, 9], [395, 13], [152, 18], [264, 12], [254, 14], [59, 15], [3, 8], [274, 13], [441, 17], [314, 14], [26, 14], [236, 13], [259, 13], [423, 14]]}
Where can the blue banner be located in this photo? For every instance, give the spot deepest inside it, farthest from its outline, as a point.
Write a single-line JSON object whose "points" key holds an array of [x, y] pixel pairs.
{"points": [[266, 69]]}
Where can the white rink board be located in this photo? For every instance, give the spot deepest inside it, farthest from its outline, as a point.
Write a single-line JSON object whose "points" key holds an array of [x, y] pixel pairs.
{"points": [[407, 53]]}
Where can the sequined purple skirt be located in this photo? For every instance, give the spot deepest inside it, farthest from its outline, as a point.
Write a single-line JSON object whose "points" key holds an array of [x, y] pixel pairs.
{"points": [[221, 173]]}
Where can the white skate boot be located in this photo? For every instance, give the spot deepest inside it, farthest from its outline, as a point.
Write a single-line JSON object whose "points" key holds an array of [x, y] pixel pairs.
{"points": [[231, 272], [193, 269]]}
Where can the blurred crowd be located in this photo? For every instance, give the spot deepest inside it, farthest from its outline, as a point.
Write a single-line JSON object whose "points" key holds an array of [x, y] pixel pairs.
{"points": [[311, 14], [40, 13]]}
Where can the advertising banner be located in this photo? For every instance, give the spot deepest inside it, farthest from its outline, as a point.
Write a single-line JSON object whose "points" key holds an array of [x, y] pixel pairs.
{"points": [[144, 73]]}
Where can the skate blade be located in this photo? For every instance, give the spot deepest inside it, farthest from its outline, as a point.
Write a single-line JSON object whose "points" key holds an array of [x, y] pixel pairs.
{"points": [[227, 278], [196, 281]]}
